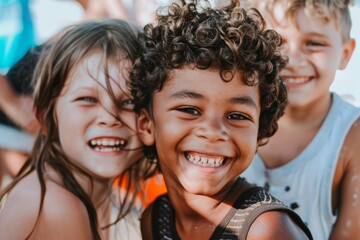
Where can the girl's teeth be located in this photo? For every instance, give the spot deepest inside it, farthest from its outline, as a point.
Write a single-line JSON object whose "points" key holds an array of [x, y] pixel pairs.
{"points": [[107, 145]]}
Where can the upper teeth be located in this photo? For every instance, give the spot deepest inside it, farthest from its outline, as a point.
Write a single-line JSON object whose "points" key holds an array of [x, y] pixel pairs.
{"points": [[296, 80], [106, 142], [205, 161], [107, 145]]}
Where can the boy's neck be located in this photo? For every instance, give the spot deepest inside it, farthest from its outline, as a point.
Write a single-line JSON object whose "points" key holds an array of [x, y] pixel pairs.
{"points": [[191, 208], [313, 113]]}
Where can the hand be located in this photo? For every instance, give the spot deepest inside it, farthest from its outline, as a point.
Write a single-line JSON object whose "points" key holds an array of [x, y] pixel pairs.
{"points": [[23, 114]]}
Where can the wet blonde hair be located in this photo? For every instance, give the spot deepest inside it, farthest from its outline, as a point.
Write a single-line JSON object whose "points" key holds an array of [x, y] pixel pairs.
{"points": [[328, 10]]}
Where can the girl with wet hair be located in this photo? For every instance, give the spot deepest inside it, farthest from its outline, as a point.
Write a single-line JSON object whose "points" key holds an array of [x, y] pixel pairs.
{"points": [[87, 140]]}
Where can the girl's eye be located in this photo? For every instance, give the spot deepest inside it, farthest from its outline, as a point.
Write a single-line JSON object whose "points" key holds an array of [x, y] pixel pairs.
{"points": [[237, 117], [87, 99], [189, 110], [127, 104]]}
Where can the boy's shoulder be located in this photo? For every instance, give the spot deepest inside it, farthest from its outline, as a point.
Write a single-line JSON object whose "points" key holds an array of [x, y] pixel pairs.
{"points": [[257, 207]]}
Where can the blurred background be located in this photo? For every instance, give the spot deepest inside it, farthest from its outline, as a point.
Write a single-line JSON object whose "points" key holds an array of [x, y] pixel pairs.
{"points": [[50, 16]]}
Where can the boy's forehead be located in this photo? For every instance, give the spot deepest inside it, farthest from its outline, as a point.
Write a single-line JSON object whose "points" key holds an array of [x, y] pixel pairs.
{"points": [[300, 20]]}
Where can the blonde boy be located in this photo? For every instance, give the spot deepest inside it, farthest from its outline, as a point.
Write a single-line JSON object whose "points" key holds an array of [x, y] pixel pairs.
{"points": [[312, 162]]}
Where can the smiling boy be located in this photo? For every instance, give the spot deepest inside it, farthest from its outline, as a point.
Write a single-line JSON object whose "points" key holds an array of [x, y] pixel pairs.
{"points": [[207, 94], [312, 162]]}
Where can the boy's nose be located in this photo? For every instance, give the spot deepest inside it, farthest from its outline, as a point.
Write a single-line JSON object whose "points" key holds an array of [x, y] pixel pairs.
{"points": [[214, 130], [296, 56]]}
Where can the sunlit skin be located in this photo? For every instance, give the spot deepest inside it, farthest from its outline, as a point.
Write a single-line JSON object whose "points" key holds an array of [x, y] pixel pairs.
{"points": [[205, 131], [95, 121], [208, 118], [212, 119], [93, 139], [316, 50]]}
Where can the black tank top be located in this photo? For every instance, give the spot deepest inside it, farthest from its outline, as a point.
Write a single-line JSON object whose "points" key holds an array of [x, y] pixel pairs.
{"points": [[235, 225]]}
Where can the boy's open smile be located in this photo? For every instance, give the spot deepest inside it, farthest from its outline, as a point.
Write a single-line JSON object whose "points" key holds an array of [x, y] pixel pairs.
{"points": [[295, 81], [204, 129], [204, 160]]}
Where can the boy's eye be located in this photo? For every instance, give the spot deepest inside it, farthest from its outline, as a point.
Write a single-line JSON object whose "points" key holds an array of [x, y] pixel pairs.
{"points": [[127, 104], [189, 110], [315, 44], [237, 117]]}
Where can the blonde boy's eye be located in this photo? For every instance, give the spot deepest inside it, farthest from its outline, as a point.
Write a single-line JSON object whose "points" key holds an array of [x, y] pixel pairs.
{"points": [[315, 43]]}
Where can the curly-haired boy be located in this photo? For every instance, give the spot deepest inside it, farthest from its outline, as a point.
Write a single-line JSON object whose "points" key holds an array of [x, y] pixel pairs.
{"points": [[207, 94]]}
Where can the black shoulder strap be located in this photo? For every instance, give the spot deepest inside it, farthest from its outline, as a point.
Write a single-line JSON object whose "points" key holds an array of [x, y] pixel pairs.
{"points": [[163, 219], [259, 201]]}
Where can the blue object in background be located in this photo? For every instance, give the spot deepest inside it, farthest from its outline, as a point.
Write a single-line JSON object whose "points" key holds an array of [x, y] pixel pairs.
{"points": [[16, 32]]}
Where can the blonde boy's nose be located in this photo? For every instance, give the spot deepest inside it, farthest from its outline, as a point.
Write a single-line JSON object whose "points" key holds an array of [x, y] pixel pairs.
{"points": [[296, 56]]}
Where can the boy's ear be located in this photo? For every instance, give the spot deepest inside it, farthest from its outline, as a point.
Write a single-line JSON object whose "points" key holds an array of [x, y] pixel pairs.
{"points": [[348, 49], [145, 127]]}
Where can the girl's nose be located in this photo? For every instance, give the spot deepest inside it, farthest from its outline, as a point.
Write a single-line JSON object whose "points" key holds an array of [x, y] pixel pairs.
{"points": [[107, 118]]}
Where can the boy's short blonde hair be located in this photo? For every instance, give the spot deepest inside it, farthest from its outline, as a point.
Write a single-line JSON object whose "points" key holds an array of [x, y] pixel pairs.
{"points": [[329, 10]]}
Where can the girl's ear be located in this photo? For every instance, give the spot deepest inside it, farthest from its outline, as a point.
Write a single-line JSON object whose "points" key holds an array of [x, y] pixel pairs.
{"points": [[348, 49], [145, 127]]}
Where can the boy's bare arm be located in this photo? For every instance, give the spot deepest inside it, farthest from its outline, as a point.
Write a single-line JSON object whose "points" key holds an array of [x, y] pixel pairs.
{"points": [[275, 225], [348, 223]]}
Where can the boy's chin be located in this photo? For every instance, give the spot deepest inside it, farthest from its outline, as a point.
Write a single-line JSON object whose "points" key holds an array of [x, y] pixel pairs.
{"points": [[201, 187]]}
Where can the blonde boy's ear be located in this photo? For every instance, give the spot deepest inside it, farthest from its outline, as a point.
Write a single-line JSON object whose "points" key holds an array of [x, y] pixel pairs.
{"points": [[348, 50], [145, 128]]}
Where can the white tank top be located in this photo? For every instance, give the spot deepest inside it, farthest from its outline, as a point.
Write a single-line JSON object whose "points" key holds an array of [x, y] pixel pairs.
{"points": [[304, 184]]}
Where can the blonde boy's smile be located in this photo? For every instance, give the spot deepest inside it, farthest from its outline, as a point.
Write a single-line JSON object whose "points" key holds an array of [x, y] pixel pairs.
{"points": [[292, 81], [315, 50]]}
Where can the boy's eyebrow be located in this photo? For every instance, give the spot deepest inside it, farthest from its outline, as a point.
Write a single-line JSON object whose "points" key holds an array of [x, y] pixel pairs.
{"points": [[237, 100], [317, 34], [186, 94], [244, 100]]}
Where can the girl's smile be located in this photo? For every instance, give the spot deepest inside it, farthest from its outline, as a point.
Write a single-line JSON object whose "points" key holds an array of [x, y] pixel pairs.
{"points": [[97, 124]]}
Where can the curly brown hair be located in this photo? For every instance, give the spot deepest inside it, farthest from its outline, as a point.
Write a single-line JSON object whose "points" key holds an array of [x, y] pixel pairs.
{"points": [[228, 39]]}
